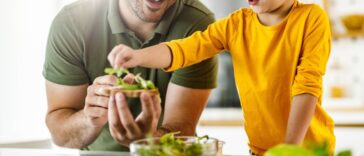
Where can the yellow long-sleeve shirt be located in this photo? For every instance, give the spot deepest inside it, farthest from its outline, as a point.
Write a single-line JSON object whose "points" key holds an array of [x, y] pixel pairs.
{"points": [[271, 65]]}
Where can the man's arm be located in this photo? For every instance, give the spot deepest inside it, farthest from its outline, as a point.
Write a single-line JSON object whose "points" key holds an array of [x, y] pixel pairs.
{"points": [[183, 108], [301, 113], [76, 114]]}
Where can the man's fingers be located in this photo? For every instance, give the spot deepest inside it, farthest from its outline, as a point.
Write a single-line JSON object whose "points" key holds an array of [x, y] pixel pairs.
{"points": [[116, 129], [95, 112], [132, 129], [97, 101], [147, 105], [98, 90], [105, 80], [157, 104], [114, 119]]}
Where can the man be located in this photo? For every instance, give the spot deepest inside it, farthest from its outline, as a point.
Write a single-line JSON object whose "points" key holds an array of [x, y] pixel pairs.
{"points": [[80, 115]]}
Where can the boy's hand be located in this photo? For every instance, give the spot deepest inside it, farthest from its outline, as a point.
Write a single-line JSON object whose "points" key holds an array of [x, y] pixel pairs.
{"points": [[123, 56]]}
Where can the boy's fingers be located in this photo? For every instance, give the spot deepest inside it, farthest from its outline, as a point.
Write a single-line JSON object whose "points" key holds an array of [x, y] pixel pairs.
{"points": [[120, 59], [113, 53]]}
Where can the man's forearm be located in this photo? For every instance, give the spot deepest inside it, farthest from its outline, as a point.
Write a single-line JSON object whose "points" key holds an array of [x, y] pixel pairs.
{"points": [[300, 116], [69, 128]]}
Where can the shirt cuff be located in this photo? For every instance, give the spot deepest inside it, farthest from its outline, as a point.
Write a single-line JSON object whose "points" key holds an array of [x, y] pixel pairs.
{"points": [[302, 89], [176, 55]]}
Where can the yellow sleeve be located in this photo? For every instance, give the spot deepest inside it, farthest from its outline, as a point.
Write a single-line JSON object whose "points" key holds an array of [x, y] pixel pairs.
{"points": [[200, 45], [314, 55]]}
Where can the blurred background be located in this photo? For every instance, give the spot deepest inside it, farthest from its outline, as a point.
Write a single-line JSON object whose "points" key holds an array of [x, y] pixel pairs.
{"points": [[23, 35]]}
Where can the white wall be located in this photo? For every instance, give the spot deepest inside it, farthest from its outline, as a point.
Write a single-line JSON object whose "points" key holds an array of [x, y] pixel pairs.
{"points": [[24, 29], [223, 8]]}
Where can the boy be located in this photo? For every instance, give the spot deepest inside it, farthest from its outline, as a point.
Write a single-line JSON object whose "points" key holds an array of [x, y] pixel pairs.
{"points": [[279, 50]]}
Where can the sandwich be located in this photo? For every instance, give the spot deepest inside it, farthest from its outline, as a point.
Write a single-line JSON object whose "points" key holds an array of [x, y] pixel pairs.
{"points": [[132, 90]]}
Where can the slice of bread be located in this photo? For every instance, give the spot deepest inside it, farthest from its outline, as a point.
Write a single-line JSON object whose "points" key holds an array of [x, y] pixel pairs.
{"points": [[131, 93]]}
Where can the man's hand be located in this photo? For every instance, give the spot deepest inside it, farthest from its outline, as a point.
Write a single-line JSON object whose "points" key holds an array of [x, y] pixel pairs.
{"points": [[76, 114], [124, 129], [96, 102]]}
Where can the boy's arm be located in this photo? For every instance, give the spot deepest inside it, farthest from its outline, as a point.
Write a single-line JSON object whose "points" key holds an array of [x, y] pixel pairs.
{"points": [[307, 86], [178, 53], [158, 56], [302, 111]]}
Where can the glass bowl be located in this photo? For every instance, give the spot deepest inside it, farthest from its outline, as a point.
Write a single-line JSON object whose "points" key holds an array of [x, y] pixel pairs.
{"points": [[152, 147]]}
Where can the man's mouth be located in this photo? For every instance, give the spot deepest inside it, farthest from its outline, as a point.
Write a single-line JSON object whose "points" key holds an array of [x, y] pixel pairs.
{"points": [[154, 4], [253, 2]]}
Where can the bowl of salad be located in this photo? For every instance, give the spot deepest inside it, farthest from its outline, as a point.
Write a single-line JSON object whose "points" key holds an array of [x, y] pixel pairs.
{"points": [[171, 145]]}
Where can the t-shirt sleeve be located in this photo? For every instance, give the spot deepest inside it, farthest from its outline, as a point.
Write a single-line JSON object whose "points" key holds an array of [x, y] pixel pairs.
{"points": [[202, 75], [63, 60], [314, 54], [201, 44]]}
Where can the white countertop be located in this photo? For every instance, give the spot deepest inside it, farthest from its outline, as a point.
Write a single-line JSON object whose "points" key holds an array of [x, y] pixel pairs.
{"points": [[61, 152], [342, 117]]}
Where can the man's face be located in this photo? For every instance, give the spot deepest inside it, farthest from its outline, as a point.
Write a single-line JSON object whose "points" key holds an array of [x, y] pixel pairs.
{"points": [[266, 6], [150, 10]]}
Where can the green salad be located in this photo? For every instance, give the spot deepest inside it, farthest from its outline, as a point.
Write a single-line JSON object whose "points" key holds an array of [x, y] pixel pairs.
{"points": [[169, 145], [139, 82]]}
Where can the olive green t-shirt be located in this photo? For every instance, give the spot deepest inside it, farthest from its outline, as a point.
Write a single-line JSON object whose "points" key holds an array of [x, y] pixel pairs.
{"points": [[83, 34]]}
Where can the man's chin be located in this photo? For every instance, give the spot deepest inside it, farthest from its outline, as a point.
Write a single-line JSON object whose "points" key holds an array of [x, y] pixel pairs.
{"points": [[152, 17]]}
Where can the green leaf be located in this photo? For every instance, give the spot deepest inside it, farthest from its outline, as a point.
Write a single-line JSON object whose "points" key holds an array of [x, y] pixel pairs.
{"points": [[120, 82], [172, 146], [141, 81], [150, 85], [345, 153], [109, 71], [119, 72], [194, 150], [320, 149], [288, 150], [206, 137]]}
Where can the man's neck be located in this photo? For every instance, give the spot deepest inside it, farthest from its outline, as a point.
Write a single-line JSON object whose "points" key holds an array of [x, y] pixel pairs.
{"points": [[143, 30], [277, 15]]}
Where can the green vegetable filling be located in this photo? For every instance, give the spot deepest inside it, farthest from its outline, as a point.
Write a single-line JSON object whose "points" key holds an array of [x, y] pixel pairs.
{"points": [[139, 82], [169, 145]]}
